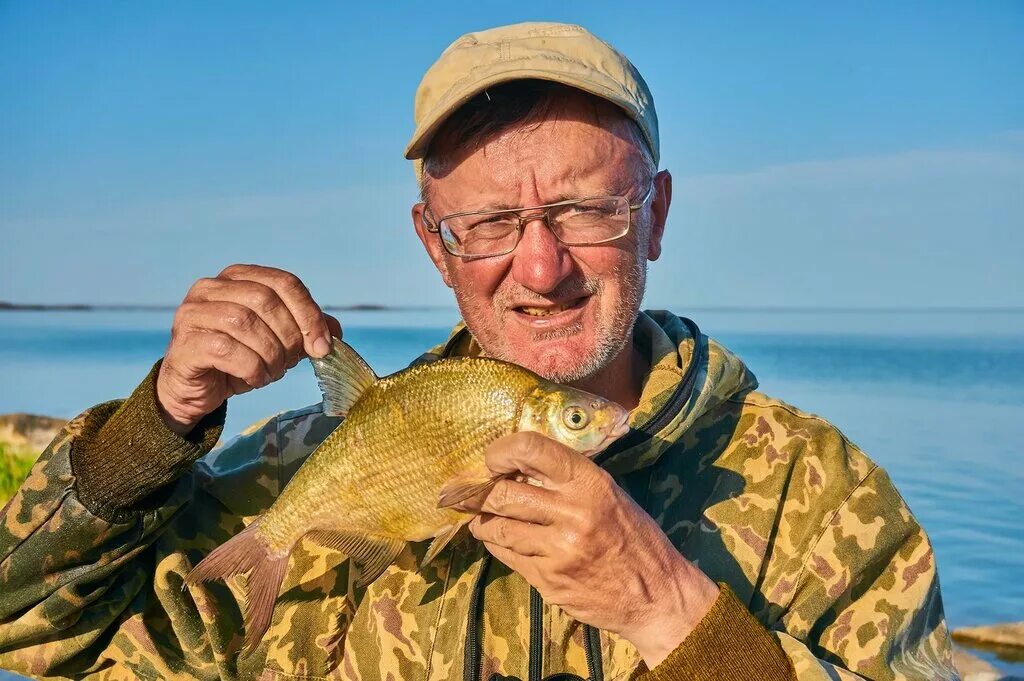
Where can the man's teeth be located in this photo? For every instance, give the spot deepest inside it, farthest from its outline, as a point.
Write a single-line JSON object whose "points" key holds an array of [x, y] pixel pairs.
{"points": [[543, 311]]}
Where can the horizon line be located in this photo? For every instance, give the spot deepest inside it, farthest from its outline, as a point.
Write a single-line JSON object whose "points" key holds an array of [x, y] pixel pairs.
{"points": [[6, 306]]}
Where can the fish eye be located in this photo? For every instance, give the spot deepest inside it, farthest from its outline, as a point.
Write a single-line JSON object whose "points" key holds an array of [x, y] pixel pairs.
{"points": [[575, 417]]}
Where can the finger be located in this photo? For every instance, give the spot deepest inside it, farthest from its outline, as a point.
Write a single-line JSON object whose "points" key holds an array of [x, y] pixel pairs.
{"points": [[517, 500], [242, 324], [333, 325], [525, 539], [515, 562], [536, 456], [306, 313], [220, 351], [238, 386], [264, 301]]}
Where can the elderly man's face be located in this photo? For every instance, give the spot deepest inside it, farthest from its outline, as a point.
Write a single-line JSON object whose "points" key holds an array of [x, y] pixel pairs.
{"points": [[563, 311]]}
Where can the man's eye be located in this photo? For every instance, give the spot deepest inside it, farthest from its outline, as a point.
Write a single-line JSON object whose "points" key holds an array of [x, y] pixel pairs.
{"points": [[489, 224], [586, 213], [583, 210]]}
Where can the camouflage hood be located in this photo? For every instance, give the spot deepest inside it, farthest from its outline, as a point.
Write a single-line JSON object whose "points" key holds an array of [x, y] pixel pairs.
{"points": [[690, 375]]}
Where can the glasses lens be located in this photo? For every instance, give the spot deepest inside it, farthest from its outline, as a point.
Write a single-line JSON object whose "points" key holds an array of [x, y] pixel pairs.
{"points": [[480, 235], [591, 221]]}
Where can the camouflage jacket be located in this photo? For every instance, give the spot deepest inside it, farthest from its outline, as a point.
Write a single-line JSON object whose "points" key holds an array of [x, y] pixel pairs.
{"points": [[823, 565]]}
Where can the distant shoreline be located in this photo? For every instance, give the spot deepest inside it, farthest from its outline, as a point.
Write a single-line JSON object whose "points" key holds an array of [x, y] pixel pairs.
{"points": [[99, 307], [374, 307]]}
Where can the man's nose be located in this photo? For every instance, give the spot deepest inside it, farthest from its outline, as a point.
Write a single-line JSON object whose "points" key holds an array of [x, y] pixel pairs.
{"points": [[540, 262]]}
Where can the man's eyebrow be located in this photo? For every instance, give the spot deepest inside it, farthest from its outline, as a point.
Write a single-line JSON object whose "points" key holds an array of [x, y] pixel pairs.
{"points": [[501, 205], [568, 195], [602, 190]]}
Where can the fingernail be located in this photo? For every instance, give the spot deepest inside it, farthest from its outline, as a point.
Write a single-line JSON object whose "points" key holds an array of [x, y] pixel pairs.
{"points": [[321, 347]]}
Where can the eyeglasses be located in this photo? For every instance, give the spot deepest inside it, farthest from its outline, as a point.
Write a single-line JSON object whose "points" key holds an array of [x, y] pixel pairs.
{"points": [[577, 222]]}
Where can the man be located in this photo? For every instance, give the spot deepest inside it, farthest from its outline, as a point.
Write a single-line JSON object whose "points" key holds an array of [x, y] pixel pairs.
{"points": [[728, 536]]}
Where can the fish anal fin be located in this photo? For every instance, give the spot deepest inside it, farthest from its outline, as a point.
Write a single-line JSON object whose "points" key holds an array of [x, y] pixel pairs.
{"points": [[465, 485], [343, 377], [373, 553], [442, 540]]}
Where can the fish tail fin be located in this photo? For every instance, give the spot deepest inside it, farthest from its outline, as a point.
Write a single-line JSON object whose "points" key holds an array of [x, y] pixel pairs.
{"points": [[264, 585], [247, 553], [343, 377]]}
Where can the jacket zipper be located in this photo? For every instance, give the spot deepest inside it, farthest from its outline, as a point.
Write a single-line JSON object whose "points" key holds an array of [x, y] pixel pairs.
{"points": [[679, 397], [592, 651]]}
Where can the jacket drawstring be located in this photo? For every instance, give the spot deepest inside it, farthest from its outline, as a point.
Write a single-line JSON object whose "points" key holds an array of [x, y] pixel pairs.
{"points": [[536, 658]]}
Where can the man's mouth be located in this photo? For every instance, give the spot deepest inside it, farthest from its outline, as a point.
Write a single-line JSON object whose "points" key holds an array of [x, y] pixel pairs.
{"points": [[551, 309]]}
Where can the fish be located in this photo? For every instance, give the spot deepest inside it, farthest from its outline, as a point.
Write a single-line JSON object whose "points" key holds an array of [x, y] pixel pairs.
{"points": [[410, 447]]}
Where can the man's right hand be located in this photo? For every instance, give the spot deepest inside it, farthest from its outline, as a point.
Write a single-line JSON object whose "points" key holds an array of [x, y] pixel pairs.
{"points": [[240, 330]]}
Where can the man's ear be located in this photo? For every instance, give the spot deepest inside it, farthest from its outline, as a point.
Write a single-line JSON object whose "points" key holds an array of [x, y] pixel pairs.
{"points": [[431, 241], [659, 212]]}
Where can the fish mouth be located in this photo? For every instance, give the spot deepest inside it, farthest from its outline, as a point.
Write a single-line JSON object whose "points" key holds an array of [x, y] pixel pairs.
{"points": [[620, 429]]}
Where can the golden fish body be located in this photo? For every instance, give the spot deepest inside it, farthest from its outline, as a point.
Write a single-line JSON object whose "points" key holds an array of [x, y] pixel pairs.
{"points": [[411, 446], [381, 470]]}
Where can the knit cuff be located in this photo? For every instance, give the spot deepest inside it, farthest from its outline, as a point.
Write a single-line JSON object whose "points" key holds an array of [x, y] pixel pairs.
{"points": [[125, 453], [729, 643]]}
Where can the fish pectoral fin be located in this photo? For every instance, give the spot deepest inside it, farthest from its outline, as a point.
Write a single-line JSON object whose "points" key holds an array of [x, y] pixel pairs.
{"points": [[343, 377], [373, 553], [465, 485], [442, 540]]}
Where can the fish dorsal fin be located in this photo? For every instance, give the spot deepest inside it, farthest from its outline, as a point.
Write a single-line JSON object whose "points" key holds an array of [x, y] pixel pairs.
{"points": [[373, 553], [343, 377]]}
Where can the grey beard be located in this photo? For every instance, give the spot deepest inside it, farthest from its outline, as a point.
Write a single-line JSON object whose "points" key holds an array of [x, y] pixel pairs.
{"points": [[612, 338]]}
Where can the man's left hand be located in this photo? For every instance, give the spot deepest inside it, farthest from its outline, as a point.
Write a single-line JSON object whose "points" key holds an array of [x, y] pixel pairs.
{"points": [[587, 547]]}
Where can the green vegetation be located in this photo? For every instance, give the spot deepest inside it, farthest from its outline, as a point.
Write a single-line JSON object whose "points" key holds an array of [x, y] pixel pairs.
{"points": [[14, 467]]}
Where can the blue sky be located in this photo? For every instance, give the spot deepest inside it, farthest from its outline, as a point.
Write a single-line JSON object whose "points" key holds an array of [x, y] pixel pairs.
{"points": [[833, 154]]}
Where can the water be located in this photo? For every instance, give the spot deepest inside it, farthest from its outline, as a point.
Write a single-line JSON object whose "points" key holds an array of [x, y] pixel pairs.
{"points": [[936, 398]]}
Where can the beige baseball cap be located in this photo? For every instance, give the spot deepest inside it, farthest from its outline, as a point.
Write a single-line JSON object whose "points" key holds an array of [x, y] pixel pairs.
{"points": [[563, 53]]}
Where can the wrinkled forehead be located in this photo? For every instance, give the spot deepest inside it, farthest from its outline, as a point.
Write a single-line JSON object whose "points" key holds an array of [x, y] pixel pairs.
{"points": [[579, 147]]}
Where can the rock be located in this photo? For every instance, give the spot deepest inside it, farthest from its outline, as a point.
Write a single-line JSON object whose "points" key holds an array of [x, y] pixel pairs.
{"points": [[1006, 640], [973, 668], [1005, 634], [29, 431]]}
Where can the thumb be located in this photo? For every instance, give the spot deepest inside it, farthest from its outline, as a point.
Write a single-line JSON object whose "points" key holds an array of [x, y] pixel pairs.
{"points": [[534, 455]]}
